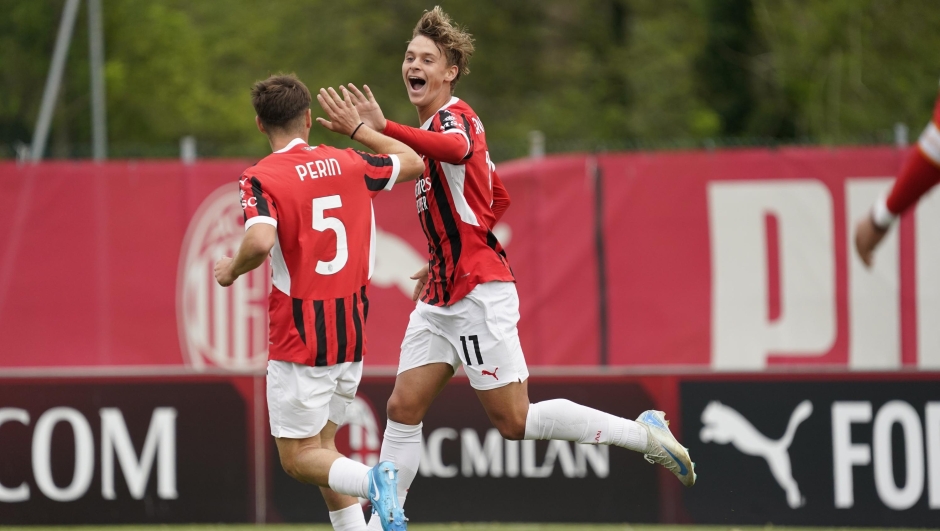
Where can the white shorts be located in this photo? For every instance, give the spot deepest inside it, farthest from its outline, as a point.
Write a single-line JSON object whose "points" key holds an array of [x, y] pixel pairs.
{"points": [[302, 398], [478, 331]]}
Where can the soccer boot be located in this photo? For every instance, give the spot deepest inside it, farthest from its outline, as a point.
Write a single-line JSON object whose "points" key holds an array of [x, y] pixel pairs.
{"points": [[383, 493], [664, 449]]}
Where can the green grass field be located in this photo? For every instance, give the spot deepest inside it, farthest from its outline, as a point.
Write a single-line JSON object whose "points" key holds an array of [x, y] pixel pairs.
{"points": [[440, 527]]}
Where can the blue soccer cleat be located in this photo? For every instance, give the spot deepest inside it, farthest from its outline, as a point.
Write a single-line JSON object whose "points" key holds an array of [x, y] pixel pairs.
{"points": [[383, 493], [664, 449]]}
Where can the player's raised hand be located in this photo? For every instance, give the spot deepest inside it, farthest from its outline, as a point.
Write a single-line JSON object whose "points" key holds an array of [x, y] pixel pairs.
{"points": [[223, 272], [422, 277], [369, 110], [867, 237], [344, 118]]}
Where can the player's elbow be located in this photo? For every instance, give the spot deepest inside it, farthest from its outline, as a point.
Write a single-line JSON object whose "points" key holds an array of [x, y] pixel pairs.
{"points": [[412, 166]]}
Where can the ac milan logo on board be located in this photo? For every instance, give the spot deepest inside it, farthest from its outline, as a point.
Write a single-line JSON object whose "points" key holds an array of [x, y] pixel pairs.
{"points": [[220, 327]]}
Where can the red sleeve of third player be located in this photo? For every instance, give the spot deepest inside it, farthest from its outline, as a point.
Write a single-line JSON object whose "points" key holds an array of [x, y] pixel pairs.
{"points": [[921, 170], [450, 142], [256, 203], [380, 171], [500, 197]]}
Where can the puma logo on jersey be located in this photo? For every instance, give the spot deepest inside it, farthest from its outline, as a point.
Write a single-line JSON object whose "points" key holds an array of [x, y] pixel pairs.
{"points": [[488, 373]]}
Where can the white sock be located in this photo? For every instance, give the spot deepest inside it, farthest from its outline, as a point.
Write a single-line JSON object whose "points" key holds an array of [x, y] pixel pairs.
{"points": [[350, 478], [402, 446], [566, 421], [348, 519]]}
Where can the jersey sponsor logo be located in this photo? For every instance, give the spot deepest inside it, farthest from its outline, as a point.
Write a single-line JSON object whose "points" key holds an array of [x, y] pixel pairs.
{"points": [[220, 327]]}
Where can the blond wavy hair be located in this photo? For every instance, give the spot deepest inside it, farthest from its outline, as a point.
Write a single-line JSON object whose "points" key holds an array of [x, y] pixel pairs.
{"points": [[454, 41]]}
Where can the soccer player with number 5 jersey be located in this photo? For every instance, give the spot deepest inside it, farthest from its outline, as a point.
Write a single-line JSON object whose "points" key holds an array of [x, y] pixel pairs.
{"points": [[467, 307], [310, 208]]}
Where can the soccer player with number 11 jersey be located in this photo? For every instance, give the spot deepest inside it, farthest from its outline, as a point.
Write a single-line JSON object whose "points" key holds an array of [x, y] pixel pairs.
{"points": [[467, 307]]}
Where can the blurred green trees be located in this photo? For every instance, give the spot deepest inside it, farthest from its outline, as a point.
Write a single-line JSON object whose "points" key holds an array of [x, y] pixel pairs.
{"points": [[590, 74]]}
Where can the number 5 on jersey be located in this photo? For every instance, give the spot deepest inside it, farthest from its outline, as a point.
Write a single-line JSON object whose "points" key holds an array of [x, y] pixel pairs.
{"points": [[322, 223]]}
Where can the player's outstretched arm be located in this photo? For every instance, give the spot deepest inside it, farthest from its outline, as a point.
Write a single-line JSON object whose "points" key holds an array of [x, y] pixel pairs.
{"points": [[920, 173], [344, 119], [452, 149], [254, 249]]}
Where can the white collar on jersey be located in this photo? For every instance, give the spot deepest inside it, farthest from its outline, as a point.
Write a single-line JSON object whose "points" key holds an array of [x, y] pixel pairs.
{"points": [[453, 100], [293, 143]]}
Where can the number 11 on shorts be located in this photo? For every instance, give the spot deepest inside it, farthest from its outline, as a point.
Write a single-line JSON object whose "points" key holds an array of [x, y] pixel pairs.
{"points": [[476, 348]]}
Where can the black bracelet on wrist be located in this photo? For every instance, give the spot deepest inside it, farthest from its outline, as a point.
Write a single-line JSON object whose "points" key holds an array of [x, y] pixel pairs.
{"points": [[356, 129]]}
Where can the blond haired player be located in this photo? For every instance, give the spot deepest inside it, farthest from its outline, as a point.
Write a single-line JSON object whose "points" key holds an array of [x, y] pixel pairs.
{"points": [[467, 307]]}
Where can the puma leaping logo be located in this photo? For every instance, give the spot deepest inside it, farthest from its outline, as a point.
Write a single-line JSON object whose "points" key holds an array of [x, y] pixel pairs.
{"points": [[485, 372], [723, 424]]}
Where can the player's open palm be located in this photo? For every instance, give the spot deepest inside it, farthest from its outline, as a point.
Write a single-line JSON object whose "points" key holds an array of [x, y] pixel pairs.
{"points": [[369, 110], [344, 118]]}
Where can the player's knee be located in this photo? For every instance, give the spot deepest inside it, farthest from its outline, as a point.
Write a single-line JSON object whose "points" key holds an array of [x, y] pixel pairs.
{"points": [[511, 427], [289, 463], [400, 409]]}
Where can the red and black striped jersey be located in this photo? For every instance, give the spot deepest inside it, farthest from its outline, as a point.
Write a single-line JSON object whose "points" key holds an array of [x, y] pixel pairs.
{"points": [[456, 199], [320, 200]]}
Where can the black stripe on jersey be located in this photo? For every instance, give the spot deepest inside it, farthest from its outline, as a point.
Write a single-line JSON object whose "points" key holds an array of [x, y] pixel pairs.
{"points": [[299, 319], [374, 185], [263, 209], [466, 124], [493, 243], [375, 160], [357, 324], [434, 245], [450, 225], [320, 325], [365, 305], [341, 330]]}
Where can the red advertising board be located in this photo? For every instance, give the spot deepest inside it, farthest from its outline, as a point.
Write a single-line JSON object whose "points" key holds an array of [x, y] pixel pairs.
{"points": [[733, 260]]}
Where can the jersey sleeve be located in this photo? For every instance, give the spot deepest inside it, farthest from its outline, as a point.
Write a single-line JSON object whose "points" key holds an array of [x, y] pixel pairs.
{"points": [[256, 202], [920, 173], [449, 141], [380, 171]]}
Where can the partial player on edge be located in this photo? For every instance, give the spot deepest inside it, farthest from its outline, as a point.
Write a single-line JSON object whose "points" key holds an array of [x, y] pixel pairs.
{"points": [[920, 173], [310, 208]]}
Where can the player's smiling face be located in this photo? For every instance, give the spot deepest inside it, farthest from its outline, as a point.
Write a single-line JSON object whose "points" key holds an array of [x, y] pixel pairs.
{"points": [[426, 73]]}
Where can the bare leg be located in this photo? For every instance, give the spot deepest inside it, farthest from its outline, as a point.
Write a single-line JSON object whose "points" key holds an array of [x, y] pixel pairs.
{"points": [[507, 407], [334, 500], [414, 392], [307, 461]]}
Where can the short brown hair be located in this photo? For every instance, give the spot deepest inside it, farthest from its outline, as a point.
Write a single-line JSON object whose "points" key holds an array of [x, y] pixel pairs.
{"points": [[454, 41], [280, 101]]}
